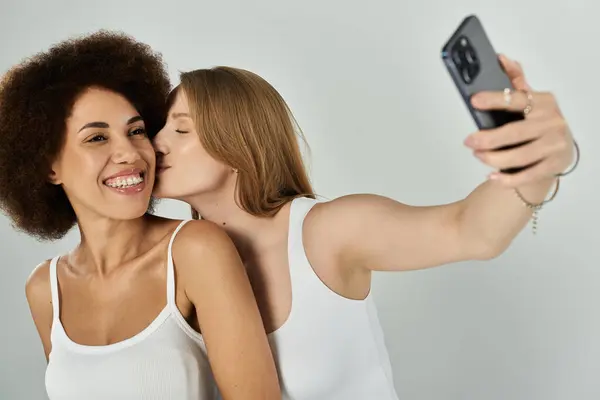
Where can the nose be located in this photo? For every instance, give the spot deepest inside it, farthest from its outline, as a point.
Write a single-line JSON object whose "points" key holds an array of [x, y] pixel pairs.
{"points": [[125, 152], [160, 143]]}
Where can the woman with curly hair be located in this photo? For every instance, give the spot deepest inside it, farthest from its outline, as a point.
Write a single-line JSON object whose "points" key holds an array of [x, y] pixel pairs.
{"points": [[120, 315]]}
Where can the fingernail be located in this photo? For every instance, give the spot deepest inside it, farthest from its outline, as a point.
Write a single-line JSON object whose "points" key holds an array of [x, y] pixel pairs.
{"points": [[469, 141], [477, 101]]}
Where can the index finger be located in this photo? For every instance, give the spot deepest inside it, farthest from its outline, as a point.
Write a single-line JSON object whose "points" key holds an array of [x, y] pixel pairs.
{"points": [[514, 101], [515, 72]]}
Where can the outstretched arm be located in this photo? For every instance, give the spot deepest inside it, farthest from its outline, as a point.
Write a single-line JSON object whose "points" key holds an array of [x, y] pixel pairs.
{"points": [[378, 233]]}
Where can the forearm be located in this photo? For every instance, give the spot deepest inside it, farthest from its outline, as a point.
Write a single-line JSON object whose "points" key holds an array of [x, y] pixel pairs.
{"points": [[493, 215]]}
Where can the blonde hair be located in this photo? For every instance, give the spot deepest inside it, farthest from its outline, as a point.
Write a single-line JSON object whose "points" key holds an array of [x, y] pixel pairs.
{"points": [[245, 123]]}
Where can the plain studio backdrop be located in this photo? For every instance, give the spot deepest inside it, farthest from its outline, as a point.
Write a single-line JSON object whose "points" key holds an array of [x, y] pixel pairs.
{"points": [[367, 85]]}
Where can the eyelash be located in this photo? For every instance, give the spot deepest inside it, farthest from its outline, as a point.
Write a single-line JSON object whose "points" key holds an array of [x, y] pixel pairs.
{"points": [[136, 131], [180, 131]]}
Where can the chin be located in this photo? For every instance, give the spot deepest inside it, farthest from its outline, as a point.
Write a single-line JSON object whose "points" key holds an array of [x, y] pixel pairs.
{"points": [[127, 209], [128, 213], [162, 192]]}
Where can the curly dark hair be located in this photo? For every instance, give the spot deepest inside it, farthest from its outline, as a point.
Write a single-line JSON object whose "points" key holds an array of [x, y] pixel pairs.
{"points": [[36, 98]]}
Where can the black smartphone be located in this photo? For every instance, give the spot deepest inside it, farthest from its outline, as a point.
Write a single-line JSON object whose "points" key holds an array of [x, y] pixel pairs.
{"points": [[474, 66]]}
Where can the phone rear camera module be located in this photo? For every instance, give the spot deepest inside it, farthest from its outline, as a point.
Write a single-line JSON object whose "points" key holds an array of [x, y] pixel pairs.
{"points": [[465, 59]]}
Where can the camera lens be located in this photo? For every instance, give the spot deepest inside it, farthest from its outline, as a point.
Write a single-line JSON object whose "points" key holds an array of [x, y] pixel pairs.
{"points": [[466, 75], [465, 60], [456, 57], [470, 56]]}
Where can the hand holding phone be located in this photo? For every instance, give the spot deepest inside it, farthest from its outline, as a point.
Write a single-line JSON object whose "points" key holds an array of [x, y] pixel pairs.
{"points": [[474, 67], [524, 148]]}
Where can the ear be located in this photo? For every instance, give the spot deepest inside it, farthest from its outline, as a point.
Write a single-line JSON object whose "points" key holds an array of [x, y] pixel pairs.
{"points": [[53, 177]]}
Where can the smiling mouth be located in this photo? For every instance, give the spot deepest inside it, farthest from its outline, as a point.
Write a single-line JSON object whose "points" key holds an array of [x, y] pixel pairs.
{"points": [[130, 183]]}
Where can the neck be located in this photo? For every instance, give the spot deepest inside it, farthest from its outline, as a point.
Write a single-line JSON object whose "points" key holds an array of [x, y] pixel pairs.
{"points": [[107, 244], [248, 232]]}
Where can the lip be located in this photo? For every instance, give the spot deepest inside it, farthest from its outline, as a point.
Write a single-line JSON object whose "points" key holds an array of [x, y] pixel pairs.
{"points": [[132, 190], [125, 172], [162, 168]]}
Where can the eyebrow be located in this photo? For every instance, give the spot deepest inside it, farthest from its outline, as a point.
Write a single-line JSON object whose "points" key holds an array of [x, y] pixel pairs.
{"points": [[104, 125], [180, 115]]}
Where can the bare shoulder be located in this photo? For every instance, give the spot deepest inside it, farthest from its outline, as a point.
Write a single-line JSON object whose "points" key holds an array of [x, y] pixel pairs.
{"points": [[346, 215], [37, 286], [208, 265], [333, 220], [201, 236], [333, 230], [349, 206], [39, 298], [202, 243], [328, 228], [324, 219]]}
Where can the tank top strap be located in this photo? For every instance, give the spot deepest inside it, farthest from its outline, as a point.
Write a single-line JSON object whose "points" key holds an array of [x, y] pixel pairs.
{"points": [[54, 289], [300, 268], [171, 267]]}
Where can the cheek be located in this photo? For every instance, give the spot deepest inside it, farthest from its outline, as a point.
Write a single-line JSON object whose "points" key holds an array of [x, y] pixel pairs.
{"points": [[148, 155], [81, 168], [196, 171], [204, 170], [80, 175]]}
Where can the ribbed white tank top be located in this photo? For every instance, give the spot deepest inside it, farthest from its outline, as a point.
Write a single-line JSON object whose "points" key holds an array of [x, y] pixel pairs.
{"points": [[330, 347], [167, 360]]}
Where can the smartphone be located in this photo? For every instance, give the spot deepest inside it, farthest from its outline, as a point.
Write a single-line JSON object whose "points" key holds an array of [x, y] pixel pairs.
{"points": [[474, 66]]}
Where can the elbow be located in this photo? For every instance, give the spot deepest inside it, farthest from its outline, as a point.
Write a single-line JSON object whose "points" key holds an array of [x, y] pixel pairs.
{"points": [[478, 248], [488, 251], [476, 244]]}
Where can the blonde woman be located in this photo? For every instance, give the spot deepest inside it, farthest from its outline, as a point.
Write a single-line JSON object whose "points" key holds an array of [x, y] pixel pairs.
{"points": [[229, 150]]}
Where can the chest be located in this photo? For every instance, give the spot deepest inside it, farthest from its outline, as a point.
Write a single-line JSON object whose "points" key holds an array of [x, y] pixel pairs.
{"points": [[269, 275], [164, 364], [102, 312], [332, 348]]}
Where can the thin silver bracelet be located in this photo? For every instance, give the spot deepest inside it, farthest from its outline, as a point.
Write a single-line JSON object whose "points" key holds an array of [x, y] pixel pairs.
{"points": [[537, 207]]}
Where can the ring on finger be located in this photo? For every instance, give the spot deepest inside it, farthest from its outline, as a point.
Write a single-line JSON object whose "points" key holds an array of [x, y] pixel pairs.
{"points": [[507, 96], [529, 106]]}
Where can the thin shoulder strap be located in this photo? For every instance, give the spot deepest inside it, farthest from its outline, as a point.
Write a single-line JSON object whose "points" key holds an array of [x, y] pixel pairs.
{"points": [[299, 209], [54, 288], [171, 266]]}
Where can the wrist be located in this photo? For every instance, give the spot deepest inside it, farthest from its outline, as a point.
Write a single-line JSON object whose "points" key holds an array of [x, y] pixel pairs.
{"points": [[537, 192]]}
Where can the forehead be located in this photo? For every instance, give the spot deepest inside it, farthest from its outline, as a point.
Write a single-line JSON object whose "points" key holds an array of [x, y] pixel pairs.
{"points": [[101, 105], [179, 102]]}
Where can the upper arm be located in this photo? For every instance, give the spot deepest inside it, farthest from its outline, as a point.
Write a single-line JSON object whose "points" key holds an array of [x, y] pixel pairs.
{"points": [[215, 281], [39, 298], [379, 233]]}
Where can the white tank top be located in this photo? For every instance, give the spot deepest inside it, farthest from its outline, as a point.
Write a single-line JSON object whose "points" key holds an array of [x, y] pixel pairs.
{"points": [[167, 360], [330, 347]]}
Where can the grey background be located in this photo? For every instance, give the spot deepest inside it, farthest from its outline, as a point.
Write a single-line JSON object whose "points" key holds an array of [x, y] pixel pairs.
{"points": [[381, 115]]}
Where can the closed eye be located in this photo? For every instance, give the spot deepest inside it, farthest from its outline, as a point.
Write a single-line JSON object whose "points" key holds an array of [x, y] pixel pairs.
{"points": [[180, 131]]}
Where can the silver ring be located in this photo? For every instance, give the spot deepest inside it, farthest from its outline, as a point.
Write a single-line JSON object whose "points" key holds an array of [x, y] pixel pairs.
{"points": [[529, 106], [507, 96]]}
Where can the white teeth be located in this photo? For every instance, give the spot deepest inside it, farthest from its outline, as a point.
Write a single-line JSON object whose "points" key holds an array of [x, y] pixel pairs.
{"points": [[125, 182]]}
